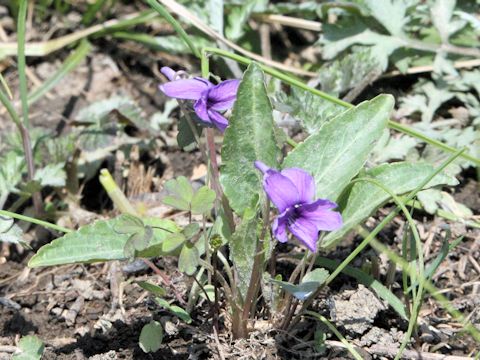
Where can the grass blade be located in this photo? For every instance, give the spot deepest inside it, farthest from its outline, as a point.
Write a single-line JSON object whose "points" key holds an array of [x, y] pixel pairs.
{"points": [[368, 281], [333, 329], [21, 26], [176, 26], [70, 63]]}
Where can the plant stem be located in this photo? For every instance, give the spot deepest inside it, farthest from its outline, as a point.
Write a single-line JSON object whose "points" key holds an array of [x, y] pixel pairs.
{"points": [[21, 27], [34, 221], [5, 86], [11, 110], [24, 126], [212, 154], [114, 192]]}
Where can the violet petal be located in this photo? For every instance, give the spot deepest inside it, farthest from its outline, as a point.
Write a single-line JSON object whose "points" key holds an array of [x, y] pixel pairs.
{"points": [[168, 72], [279, 227], [280, 189], [223, 95], [306, 231], [189, 89], [261, 166], [218, 120], [320, 213], [200, 108], [303, 181]]}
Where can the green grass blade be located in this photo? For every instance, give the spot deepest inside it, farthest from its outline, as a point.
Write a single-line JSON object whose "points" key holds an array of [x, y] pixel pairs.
{"points": [[434, 292], [70, 63], [5, 86], [368, 281], [176, 26], [21, 26], [34, 221], [333, 329], [47, 47], [10, 109]]}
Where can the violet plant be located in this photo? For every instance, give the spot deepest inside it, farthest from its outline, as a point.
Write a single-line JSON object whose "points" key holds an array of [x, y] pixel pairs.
{"points": [[292, 191], [209, 99], [322, 190]]}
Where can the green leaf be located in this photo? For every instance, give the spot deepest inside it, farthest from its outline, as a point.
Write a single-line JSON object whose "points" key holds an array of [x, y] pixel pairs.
{"points": [[10, 172], [392, 148], [442, 12], [185, 136], [237, 19], [151, 337], [180, 193], [128, 224], [336, 77], [249, 137], [210, 292], [175, 310], [390, 13], [172, 242], [203, 200], [31, 348], [154, 289], [138, 242], [310, 282], [308, 109], [191, 230], [96, 242], [243, 247], [336, 153], [11, 232], [127, 111], [215, 9], [381, 46], [364, 197], [189, 259]]}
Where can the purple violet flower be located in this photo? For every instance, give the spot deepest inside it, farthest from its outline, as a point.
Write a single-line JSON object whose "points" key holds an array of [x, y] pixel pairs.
{"points": [[209, 99], [292, 191]]}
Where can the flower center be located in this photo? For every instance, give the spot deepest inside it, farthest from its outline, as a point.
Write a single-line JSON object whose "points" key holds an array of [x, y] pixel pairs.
{"points": [[294, 213]]}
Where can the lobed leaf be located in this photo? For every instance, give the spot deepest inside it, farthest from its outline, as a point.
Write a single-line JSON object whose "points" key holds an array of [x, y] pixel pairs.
{"points": [[180, 193], [203, 200]]}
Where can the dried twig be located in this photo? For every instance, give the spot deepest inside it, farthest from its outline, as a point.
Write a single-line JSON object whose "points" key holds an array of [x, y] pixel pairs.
{"points": [[428, 68], [289, 21], [8, 349]]}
